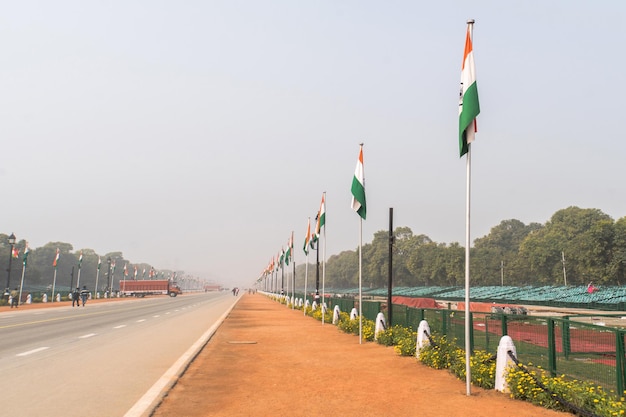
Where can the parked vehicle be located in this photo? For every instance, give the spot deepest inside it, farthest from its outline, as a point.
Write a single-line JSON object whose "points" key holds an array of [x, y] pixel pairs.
{"points": [[141, 288]]}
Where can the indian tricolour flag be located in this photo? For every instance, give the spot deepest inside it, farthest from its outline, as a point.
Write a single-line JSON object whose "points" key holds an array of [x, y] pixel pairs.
{"points": [[358, 187], [469, 107], [321, 218], [56, 259], [307, 237]]}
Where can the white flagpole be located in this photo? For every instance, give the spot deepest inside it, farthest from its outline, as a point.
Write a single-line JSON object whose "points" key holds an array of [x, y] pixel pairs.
{"points": [[324, 262], [293, 277], [306, 266], [468, 378], [54, 281], [78, 280], [468, 369], [19, 300], [95, 291], [360, 282]]}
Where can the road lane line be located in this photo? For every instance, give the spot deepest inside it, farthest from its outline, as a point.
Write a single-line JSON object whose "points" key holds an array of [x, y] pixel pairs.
{"points": [[85, 336], [30, 352], [141, 320], [120, 326]]}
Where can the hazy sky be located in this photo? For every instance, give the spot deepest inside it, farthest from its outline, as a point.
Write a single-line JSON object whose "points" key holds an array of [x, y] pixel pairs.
{"points": [[197, 135]]}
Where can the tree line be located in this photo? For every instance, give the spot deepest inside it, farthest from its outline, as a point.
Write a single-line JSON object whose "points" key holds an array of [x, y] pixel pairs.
{"points": [[39, 270], [576, 246]]}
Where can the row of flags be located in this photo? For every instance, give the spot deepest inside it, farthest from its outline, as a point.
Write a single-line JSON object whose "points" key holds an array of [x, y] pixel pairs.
{"points": [[469, 108], [312, 239], [16, 253]]}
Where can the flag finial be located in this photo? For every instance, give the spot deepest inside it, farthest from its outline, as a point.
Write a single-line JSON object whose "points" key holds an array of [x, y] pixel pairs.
{"points": [[470, 21]]}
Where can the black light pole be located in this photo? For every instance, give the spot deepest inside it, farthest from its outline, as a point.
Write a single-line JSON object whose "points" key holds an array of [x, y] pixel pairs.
{"points": [[12, 244], [72, 280], [317, 271]]}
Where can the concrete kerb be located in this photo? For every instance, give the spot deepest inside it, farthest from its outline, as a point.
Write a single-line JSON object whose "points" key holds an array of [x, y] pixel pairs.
{"points": [[146, 405]]}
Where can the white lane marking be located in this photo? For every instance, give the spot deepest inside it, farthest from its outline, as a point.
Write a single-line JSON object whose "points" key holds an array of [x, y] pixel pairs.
{"points": [[157, 316], [139, 321], [30, 352], [120, 326], [85, 336], [168, 312]]}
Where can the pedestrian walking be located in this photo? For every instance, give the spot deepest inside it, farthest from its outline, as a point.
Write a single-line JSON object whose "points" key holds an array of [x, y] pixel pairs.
{"points": [[84, 294], [76, 297], [14, 298]]}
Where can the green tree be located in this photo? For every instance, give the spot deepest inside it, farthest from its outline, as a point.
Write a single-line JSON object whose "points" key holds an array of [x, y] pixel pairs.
{"points": [[581, 236]]}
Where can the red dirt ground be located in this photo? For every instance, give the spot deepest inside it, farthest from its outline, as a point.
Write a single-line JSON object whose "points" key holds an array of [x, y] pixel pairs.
{"points": [[269, 360]]}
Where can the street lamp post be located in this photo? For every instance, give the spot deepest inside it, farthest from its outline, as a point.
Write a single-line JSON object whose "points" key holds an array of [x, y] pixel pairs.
{"points": [[12, 244]]}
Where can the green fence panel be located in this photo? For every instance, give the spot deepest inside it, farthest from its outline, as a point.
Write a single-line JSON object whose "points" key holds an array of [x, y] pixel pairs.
{"points": [[371, 309]]}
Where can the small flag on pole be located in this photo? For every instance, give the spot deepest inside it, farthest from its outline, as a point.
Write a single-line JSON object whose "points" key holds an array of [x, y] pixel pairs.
{"points": [[469, 106], [321, 219], [25, 258], [307, 237], [358, 187], [56, 259], [289, 250]]}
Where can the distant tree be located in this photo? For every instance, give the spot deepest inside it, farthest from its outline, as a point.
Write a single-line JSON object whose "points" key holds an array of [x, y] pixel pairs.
{"points": [[497, 253], [582, 236]]}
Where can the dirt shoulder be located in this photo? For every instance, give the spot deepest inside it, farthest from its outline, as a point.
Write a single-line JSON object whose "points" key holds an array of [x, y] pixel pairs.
{"points": [[269, 360]]}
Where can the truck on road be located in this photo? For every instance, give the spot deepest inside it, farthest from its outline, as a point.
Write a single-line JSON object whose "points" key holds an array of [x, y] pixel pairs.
{"points": [[141, 288]]}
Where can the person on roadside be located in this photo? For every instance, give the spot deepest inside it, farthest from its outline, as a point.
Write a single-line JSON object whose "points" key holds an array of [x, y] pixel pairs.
{"points": [[76, 297], [84, 294], [15, 298]]}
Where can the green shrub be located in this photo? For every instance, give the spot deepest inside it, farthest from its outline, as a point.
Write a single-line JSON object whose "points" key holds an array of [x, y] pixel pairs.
{"points": [[524, 383], [393, 335]]}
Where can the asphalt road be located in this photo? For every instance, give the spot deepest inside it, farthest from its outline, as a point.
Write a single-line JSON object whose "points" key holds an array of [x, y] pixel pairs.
{"points": [[98, 360]]}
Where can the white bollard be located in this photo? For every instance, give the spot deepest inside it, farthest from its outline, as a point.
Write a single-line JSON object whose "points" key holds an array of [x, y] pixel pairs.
{"points": [[97, 295], [58, 297], [354, 314], [306, 304], [423, 331], [504, 362], [29, 299], [336, 312], [44, 298], [380, 325], [324, 308], [314, 305]]}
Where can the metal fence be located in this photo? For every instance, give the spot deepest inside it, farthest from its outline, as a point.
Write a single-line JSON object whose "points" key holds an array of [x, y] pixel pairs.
{"points": [[560, 345]]}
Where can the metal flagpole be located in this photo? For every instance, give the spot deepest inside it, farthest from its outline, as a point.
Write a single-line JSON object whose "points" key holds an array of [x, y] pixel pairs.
{"points": [[95, 290], [323, 264], [293, 278], [306, 266], [54, 281], [468, 371], [360, 282], [468, 378], [19, 300]]}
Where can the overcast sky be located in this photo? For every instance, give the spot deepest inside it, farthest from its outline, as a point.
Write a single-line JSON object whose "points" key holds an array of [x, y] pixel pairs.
{"points": [[197, 135]]}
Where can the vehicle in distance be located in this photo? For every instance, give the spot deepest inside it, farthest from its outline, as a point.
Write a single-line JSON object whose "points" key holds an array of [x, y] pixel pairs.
{"points": [[141, 288]]}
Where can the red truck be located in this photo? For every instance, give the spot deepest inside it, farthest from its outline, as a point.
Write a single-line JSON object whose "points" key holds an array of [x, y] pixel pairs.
{"points": [[149, 287]]}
